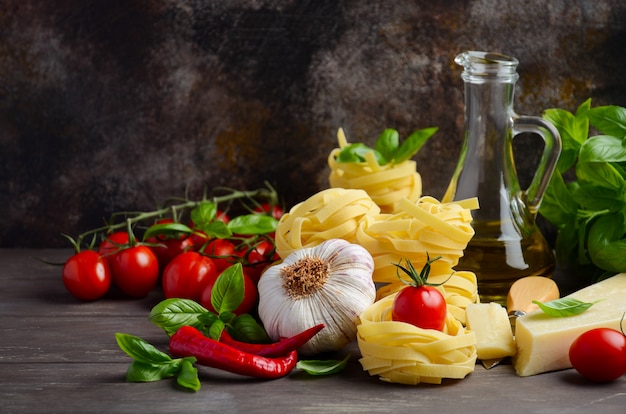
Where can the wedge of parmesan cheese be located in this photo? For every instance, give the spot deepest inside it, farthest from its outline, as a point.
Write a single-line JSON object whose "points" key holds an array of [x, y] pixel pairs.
{"points": [[543, 341], [494, 337]]}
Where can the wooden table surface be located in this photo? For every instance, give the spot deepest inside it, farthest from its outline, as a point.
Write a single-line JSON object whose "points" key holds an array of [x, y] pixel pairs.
{"points": [[59, 355]]}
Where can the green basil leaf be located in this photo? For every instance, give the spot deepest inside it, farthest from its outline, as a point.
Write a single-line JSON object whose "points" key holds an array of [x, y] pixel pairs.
{"points": [[356, 153], [251, 224], [600, 173], [387, 144], [602, 148], [188, 375], [227, 293], [203, 214], [322, 367], [609, 119], [583, 110], [413, 144], [593, 197], [563, 307], [139, 349], [208, 318], [245, 328], [606, 243], [169, 230], [558, 206], [171, 314], [217, 229], [573, 130], [215, 329], [146, 372]]}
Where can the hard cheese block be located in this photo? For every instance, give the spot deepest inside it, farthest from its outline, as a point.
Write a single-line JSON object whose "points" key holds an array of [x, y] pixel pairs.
{"points": [[543, 341], [490, 323]]}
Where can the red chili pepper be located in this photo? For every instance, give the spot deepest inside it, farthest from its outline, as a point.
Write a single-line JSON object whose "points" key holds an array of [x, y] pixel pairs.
{"points": [[188, 341], [280, 348]]}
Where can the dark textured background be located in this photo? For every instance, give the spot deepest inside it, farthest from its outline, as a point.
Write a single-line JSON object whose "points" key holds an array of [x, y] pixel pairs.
{"points": [[117, 104]]}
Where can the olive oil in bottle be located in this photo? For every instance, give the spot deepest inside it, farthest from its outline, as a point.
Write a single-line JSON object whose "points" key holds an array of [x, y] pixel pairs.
{"points": [[499, 262], [507, 244]]}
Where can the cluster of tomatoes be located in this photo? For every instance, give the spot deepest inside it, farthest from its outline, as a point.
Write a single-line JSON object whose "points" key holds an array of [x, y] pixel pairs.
{"points": [[186, 264]]}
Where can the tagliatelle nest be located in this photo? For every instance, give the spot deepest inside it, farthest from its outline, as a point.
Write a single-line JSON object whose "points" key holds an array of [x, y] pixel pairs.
{"points": [[385, 184], [459, 288], [334, 213], [402, 353], [426, 228]]}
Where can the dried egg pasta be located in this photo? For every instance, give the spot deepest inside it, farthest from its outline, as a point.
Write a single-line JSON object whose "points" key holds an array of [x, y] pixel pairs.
{"points": [[334, 213], [385, 184], [403, 353]]}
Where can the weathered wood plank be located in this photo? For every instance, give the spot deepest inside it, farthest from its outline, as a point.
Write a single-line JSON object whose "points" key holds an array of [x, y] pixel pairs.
{"points": [[60, 355]]}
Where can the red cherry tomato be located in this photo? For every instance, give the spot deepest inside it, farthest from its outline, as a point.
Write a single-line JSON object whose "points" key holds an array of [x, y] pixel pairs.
{"points": [[198, 239], [86, 275], [166, 247], [135, 271], [187, 275], [222, 252], [250, 296], [263, 254], [599, 354], [113, 242], [275, 211], [220, 215], [423, 306]]}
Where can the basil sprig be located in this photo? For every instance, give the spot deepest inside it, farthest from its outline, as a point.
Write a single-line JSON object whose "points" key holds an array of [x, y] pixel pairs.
{"points": [[317, 367], [150, 364], [226, 296], [388, 149], [204, 217], [564, 307]]}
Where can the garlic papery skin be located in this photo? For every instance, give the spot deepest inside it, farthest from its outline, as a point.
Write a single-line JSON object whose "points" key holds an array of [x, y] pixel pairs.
{"points": [[330, 283]]}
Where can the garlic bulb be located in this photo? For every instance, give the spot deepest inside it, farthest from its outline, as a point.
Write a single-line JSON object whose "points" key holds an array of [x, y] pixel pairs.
{"points": [[330, 283]]}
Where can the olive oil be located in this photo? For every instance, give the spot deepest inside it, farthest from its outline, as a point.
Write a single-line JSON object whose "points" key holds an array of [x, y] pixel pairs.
{"points": [[499, 262], [507, 244]]}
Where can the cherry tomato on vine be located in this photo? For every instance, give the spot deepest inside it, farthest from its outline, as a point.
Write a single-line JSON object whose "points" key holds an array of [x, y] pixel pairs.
{"points": [[599, 354], [250, 296], [167, 247], [418, 303], [275, 210], [187, 275], [263, 254], [222, 216], [199, 237], [222, 252], [86, 275], [166, 250], [113, 242], [135, 270]]}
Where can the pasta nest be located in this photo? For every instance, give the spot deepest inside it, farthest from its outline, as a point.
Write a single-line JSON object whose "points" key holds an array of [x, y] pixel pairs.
{"points": [[385, 184], [418, 231], [403, 353], [334, 213]]}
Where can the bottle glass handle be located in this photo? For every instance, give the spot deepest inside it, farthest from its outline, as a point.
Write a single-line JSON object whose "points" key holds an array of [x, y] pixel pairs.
{"points": [[549, 157]]}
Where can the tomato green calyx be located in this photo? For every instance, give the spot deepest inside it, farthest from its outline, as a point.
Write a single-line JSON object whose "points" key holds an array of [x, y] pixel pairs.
{"points": [[417, 279]]}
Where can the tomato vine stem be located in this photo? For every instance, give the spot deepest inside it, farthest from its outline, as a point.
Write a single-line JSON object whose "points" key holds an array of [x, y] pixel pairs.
{"points": [[132, 218]]}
